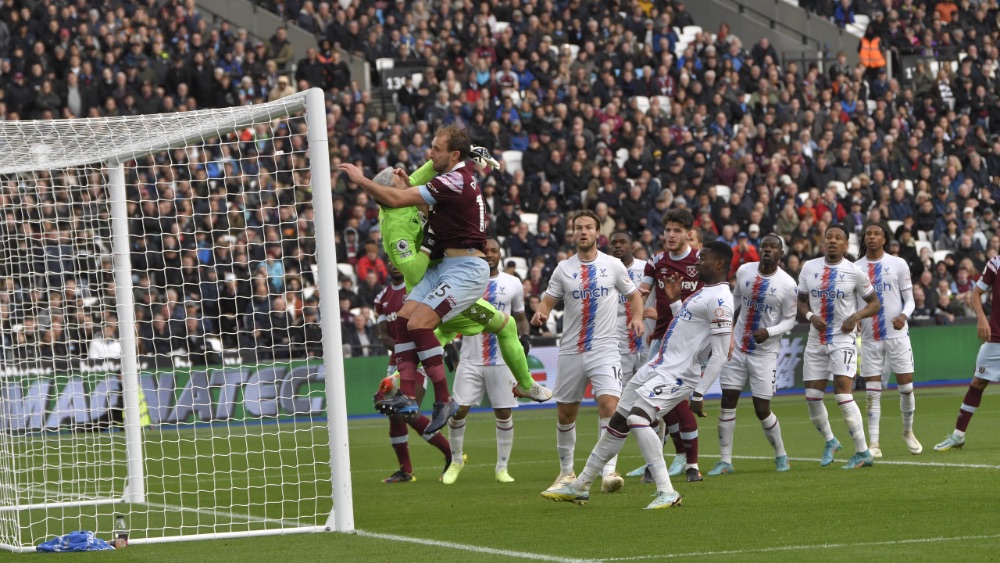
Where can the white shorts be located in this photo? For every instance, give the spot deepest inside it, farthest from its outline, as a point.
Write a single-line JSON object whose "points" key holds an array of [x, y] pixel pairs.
{"points": [[654, 392], [988, 362], [601, 369], [631, 362], [821, 363], [495, 381], [759, 370], [875, 352]]}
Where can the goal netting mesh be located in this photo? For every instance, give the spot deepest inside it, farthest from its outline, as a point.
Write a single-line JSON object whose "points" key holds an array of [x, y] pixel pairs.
{"points": [[162, 352]]}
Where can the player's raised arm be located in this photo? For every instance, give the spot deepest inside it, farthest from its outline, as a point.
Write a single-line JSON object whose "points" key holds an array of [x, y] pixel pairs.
{"points": [[386, 196]]}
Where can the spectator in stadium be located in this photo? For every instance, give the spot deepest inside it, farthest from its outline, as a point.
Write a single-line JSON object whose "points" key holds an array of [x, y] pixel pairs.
{"points": [[360, 339]]}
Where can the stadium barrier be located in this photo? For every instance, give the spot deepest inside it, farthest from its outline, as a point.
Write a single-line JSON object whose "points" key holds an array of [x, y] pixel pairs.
{"points": [[86, 396]]}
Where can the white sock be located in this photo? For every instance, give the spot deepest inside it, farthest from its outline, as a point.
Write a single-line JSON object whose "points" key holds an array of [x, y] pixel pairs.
{"points": [[855, 423], [505, 441], [907, 404], [456, 437], [670, 430], [565, 444], [727, 427], [874, 408], [608, 446], [772, 431], [818, 414], [652, 450], [609, 467]]}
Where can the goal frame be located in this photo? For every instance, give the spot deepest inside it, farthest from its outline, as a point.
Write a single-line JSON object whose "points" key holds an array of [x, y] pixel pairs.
{"points": [[312, 101]]}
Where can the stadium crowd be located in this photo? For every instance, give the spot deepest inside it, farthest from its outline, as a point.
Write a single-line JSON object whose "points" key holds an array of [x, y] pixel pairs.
{"points": [[623, 107]]}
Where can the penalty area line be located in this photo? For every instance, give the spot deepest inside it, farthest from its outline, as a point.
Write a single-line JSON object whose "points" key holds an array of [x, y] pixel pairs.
{"points": [[804, 548], [882, 462], [470, 548]]}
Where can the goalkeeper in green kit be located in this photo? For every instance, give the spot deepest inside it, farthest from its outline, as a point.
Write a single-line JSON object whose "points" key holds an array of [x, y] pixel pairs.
{"points": [[409, 249]]}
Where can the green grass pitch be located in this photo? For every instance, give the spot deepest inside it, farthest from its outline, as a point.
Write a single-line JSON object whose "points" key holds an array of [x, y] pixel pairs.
{"points": [[934, 506]]}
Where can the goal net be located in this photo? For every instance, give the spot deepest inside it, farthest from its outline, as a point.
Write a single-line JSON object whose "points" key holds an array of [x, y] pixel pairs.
{"points": [[163, 336]]}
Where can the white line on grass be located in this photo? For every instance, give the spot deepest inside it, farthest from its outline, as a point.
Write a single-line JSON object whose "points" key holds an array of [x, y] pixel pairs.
{"points": [[751, 457], [803, 548], [471, 548]]}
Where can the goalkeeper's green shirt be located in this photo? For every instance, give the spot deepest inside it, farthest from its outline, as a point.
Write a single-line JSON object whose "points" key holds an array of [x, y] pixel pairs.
{"points": [[402, 232]]}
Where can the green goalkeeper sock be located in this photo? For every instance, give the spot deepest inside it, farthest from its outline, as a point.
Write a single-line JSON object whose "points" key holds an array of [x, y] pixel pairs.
{"points": [[423, 174], [513, 354]]}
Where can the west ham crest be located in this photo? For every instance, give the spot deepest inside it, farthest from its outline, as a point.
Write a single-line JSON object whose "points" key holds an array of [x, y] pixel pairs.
{"points": [[692, 271]]}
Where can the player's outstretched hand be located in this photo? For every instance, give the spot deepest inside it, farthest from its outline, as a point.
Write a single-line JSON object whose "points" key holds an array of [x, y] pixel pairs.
{"points": [[698, 407], [638, 327], [672, 287], [538, 319], [353, 172], [401, 176]]}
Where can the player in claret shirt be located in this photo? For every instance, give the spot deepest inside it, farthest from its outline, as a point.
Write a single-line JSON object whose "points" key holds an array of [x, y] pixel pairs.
{"points": [[885, 336], [680, 259], [988, 359], [829, 288], [765, 296]]}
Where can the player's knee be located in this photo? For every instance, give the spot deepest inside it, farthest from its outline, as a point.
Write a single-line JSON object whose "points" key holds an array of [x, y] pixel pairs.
{"points": [[730, 398], [638, 418], [501, 414], [619, 422], [762, 411], [463, 411]]}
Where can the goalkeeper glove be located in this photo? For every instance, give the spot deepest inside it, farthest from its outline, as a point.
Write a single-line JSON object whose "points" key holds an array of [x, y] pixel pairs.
{"points": [[430, 239], [451, 356], [482, 157], [525, 341]]}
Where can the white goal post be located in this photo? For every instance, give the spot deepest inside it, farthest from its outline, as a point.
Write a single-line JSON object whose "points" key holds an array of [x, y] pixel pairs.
{"points": [[165, 353]]}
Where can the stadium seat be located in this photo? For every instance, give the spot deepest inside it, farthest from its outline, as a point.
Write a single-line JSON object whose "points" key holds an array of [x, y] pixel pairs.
{"points": [[520, 265], [348, 270], [893, 225], [940, 255], [621, 155], [574, 50], [384, 63], [418, 79], [871, 105], [852, 239], [641, 103], [921, 244], [512, 160], [853, 249], [500, 27], [922, 235], [723, 191], [532, 220], [665, 105], [841, 188], [907, 185], [691, 31]]}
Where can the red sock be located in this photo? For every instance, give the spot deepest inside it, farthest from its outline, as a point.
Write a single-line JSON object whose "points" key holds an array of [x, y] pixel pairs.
{"points": [[969, 405], [406, 360], [398, 438], [673, 421], [689, 431], [437, 440], [429, 352]]}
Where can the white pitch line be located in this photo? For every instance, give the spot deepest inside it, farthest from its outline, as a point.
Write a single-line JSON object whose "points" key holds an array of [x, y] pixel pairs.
{"points": [[471, 548], [882, 462], [803, 548]]}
